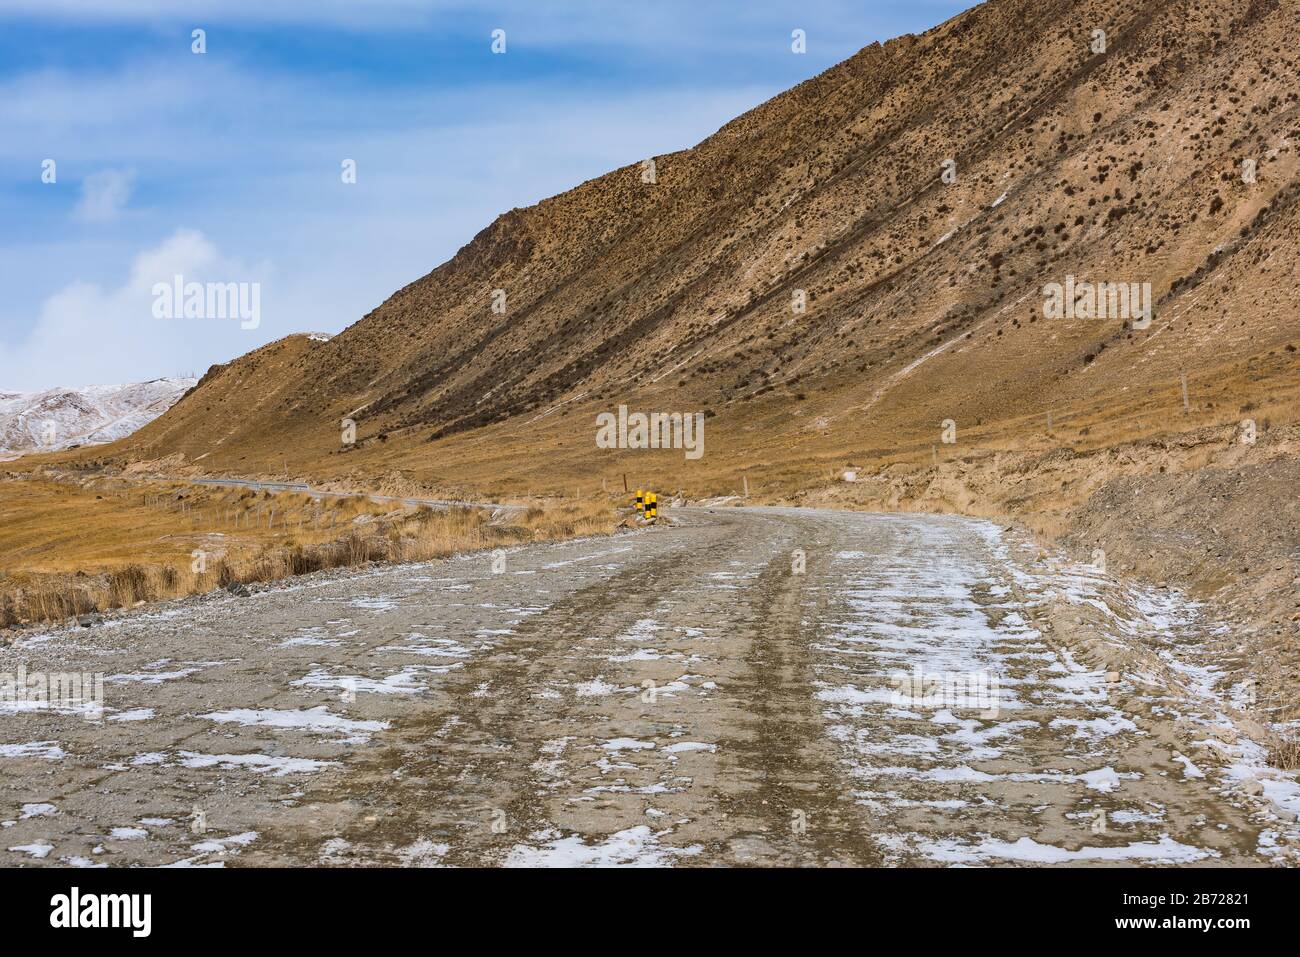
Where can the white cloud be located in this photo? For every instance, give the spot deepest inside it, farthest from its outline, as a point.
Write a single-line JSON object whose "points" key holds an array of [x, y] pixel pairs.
{"points": [[88, 334], [104, 195], [435, 167]]}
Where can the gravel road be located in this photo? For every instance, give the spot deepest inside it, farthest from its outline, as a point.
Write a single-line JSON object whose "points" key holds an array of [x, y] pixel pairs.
{"points": [[727, 691]]}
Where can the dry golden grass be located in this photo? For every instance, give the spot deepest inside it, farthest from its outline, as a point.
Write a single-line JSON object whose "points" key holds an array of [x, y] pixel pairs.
{"points": [[1284, 751], [784, 443], [68, 550], [786, 447], [58, 524]]}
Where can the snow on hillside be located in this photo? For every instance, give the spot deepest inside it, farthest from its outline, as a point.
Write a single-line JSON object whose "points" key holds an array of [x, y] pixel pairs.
{"points": [[59, 418]]}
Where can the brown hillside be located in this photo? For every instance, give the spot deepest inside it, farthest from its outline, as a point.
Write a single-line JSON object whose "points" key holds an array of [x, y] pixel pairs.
{"points": [[924, 299]]}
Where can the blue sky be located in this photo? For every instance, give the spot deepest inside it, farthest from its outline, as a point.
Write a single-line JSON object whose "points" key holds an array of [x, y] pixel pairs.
{"points": [[226, 166]]}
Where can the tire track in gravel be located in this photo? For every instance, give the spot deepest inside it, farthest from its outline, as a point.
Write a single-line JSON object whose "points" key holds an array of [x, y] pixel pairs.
{"points": [[444, 774], [1057, 772], [92, 795], [799, 811], [722, 755]]}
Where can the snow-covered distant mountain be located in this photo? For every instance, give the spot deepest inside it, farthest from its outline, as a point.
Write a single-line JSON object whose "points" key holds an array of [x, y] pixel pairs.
{"points": [[60, 418]]}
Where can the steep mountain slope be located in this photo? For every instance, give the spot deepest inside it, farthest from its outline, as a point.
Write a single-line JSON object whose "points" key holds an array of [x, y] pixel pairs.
{"points": [[924, 297], [60, 418]]}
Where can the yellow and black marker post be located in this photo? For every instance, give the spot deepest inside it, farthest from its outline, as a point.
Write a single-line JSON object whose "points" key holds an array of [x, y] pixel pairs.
{"points": [[651, 506], [640, 500]]}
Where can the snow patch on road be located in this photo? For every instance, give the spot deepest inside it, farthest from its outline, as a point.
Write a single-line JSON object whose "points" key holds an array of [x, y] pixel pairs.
{"points": [[634, 847], [318, 720], [35, 749], [276, 767], [406, 681], [1162, 851]]}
